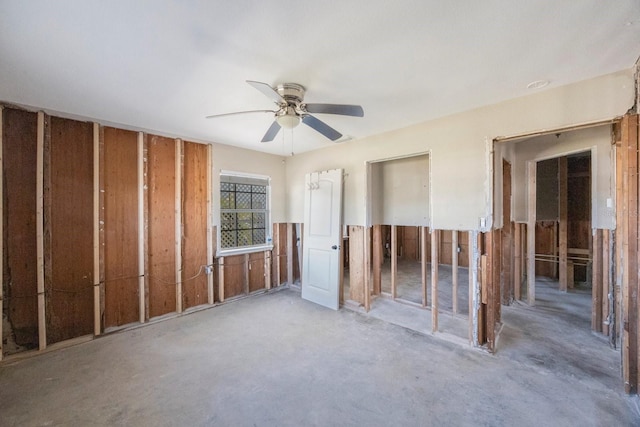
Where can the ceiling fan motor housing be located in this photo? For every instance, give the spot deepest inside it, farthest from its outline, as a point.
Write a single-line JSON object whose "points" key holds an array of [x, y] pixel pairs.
{"points": [[291, 92]]}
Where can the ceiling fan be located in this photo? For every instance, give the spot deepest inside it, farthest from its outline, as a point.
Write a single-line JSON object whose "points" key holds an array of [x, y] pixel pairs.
{"points": [[289, 97]]}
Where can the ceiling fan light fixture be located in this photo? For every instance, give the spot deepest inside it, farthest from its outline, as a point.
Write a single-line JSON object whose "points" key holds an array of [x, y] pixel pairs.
{"points": [[288, 120]]}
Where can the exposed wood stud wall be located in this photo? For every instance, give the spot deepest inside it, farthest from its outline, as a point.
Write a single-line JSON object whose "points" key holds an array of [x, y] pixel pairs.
{"points": [[140, 226]]}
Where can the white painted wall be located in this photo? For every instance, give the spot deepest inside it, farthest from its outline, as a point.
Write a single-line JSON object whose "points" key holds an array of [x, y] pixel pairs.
{"points": [[460, 149], [598, 141], [228, 158], [400, 191]]}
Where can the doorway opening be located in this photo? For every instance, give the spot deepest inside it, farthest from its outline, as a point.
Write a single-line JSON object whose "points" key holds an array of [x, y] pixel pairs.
{"points": [[561, 223]]}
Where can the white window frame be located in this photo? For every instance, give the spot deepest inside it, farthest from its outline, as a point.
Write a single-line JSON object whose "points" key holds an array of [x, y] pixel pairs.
{"points": [[268, 225]]}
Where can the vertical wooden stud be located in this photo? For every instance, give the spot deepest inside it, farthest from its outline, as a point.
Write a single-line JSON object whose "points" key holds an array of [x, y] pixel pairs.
{"points": [[454, 269], [366, 250], [377, 259], [1, 234], [435, 244], [606, 265], [178, 225], [96, 229], [42, 331], [474, 288], [531, 234], [616, 331], [517, 274], [210, 227], [484, 278], [562, 223], [267, 269], [221, 279], [630, 308], [247, 267], [290, 253], [596, 282], [276, 251], [141, 229], [555, 247], [490, 285], [394, 260], [423, 263]]}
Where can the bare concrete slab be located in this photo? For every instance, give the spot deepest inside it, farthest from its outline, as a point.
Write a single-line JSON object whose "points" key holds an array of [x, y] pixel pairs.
{"points": [[276, 359]]}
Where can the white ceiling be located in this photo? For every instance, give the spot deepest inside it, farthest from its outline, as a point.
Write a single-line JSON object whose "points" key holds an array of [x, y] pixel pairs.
{"points": [[164, 65]]}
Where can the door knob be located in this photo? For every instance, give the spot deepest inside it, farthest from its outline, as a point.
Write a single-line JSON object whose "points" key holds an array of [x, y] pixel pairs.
{"points": [[334, 247]]}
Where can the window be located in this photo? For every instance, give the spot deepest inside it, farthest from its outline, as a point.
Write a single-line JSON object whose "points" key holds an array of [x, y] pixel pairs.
{"points": [[244, 212]]}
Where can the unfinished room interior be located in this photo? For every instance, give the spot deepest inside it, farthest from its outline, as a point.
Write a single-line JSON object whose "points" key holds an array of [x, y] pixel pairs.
{"points": [[320, 213]]}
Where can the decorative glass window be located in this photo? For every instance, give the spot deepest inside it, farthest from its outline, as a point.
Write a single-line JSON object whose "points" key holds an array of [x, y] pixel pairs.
{"points": [[244, 211]]}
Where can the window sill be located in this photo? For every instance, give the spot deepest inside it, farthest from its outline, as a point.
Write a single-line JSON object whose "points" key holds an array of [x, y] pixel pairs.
{"points": [[242, 251]]}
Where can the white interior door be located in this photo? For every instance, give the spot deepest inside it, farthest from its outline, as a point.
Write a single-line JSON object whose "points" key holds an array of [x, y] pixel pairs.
{"points": [[322, 238]]}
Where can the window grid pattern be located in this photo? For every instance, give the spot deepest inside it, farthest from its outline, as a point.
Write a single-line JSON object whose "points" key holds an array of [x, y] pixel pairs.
{"points": [[243, 215]]}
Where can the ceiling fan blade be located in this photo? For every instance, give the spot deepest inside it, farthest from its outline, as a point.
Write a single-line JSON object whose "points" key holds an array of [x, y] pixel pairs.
{"points": [[321, 127], [271, 132], [268, 91], [213, 116], [342, 109]]}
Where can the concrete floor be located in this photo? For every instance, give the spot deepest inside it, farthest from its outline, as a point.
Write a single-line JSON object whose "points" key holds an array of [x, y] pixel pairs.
{"points": [[275, 359]]}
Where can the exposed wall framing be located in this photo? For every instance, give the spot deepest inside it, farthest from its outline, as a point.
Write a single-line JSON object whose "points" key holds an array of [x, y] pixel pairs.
{"points": [[104, 227]]}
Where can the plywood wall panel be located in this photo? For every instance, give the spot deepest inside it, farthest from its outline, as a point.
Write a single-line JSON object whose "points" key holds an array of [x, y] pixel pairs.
{"points": [[234, 276], [256, 271], [120, 210], [194, 220], [19, 240], [463, 243], [445, 247], [161, 225], [545, 245], [68, 200], [409, 243]]}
